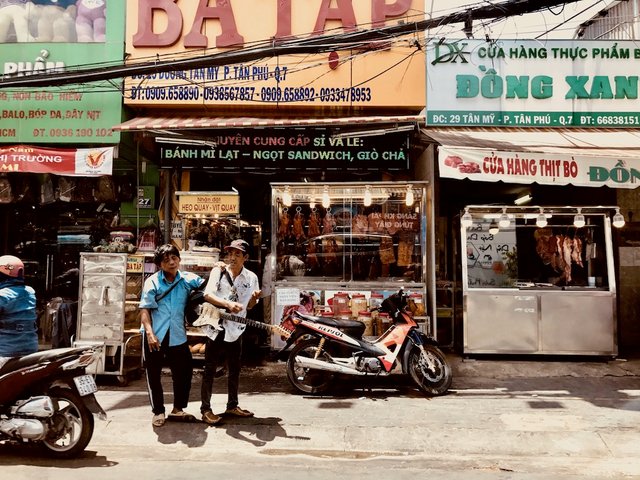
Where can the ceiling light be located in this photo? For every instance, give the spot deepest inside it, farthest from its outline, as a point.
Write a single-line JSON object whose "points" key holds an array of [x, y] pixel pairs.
{"points": [[466, 220], [578, 220], [523, 199], [618, 219], [504, 221], [286, 197], [367, 196], [541, 220], [326, 201], [494, 228], [312, 203], [409, 197]]}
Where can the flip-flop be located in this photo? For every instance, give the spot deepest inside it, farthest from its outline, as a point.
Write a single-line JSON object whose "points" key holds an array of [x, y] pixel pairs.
{"points": [[181, 416]]}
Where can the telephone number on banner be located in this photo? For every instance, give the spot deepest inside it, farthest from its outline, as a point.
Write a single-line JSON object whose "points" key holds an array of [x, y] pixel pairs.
{"points": [[248, 94]]}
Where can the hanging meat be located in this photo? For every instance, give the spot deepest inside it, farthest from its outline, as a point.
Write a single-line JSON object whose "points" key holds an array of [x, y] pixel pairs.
{"points": [[328, 222], [298, 225], [314, 224], [283, 228]]}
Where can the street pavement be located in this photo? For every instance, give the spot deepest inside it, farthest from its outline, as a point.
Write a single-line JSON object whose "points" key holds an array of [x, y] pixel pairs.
{"points": [[503, 418]]}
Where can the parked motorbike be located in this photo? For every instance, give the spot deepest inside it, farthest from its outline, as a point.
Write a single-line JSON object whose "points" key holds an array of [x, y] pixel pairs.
{"points": [[47, 399], [324, 347]]}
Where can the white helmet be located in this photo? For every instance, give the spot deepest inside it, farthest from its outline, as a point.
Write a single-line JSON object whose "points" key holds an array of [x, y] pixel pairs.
{"points": [[11, 266]]}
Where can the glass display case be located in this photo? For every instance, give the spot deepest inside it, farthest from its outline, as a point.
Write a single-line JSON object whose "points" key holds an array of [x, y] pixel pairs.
{"points": [[353, 239], [538, 280], [101, 313]]}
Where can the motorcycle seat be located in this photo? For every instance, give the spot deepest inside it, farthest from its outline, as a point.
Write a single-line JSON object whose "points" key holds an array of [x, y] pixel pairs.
{"points": [[17, 363], [353, 328]]}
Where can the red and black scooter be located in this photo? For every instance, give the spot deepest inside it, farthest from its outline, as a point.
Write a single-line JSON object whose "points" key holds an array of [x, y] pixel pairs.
{"points": [[47, 399], [325, 347]]}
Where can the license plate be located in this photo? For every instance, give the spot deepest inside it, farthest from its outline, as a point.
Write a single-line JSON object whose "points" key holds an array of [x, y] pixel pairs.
{"points": [[85, 385]]}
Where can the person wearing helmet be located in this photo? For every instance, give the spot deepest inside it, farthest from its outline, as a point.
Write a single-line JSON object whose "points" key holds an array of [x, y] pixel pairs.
{"points": [[18, 329]]}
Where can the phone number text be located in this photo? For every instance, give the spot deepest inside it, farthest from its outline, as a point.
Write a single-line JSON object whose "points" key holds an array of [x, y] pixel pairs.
{"points": [[252, 94]]}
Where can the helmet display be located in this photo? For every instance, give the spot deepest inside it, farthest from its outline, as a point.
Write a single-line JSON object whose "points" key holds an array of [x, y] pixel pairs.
{"points": [[11, 266]]}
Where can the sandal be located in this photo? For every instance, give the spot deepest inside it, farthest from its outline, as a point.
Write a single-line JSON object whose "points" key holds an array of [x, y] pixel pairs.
{"points": [[181, 416], [158, 420]]}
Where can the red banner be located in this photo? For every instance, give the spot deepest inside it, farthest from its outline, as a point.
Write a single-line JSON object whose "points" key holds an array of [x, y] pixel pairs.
{"points": [[80, 162]]}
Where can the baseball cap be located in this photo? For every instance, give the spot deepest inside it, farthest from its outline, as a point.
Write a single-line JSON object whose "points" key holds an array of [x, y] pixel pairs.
{"points": [[238, 244]]}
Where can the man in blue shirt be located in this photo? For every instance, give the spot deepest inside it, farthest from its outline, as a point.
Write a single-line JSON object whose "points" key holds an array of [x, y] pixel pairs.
{"points": [[18, 329], [164, 297]]}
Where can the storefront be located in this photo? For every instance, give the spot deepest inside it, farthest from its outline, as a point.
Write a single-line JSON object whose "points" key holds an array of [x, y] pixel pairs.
{"points": [[63, 170], [319, 120], [530, 120]]}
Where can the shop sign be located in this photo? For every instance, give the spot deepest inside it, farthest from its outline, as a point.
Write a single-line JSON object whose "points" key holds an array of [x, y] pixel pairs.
{"points": [[206, 203], [527, 83], [67, 114], [81, 162], [294, 149], [544, 168], [392, 222], [377, 75], [135, 263], [490, 257]]}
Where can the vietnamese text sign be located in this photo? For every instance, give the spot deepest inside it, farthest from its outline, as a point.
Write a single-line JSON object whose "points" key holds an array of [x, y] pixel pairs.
{"points": [[75, 114], [526, 83], [308, 149], [488, 256], [209, 204], [60, 161], [384, 74], [544, 168]]}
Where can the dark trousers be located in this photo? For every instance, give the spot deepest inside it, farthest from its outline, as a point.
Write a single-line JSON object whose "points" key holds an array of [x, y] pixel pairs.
{"points": [[180, 364], [214, 353]]}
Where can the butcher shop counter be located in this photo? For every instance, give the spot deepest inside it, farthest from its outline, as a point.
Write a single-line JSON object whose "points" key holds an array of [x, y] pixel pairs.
{"points": [[530, 320]]}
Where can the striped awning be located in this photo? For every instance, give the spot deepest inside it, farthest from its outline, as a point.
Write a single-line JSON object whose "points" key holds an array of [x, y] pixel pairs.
{"points": [[199, 122]]}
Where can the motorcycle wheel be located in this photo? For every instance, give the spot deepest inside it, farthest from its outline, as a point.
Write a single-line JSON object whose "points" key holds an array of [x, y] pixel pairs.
{"points": [[70, 427], [308, 380], [433, 374]]}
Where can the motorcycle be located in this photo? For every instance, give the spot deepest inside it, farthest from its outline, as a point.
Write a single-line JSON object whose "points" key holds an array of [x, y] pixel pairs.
{"points": [[324, 347], [47, 399]]}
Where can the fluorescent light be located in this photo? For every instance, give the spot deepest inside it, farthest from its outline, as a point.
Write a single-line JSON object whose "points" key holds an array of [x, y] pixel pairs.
{"points": [[523, 199]]}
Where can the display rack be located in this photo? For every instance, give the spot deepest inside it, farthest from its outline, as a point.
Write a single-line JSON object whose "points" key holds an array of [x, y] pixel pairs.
{"points": [[101, 314]]}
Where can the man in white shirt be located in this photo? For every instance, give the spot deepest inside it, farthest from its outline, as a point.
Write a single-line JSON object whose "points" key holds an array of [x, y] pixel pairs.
{"points": [[240, 287]]}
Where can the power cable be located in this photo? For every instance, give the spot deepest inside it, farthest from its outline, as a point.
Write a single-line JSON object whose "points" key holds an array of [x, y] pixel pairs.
{"points": [[321, 44]]}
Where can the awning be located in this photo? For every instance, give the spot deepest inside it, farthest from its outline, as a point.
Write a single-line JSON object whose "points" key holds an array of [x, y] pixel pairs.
{"points": [[178, 122], [585, 157], [610, 142]]}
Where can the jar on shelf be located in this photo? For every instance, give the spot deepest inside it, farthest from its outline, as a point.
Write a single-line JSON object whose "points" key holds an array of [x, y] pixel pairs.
{"points": [[416, 304], [375, 302], [364, 316], [383, 322], [358, 303], [340, 304]]}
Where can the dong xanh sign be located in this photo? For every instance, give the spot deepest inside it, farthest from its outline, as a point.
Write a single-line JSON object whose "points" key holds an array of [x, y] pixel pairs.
{"points": [[563, 83], [544, 168]]}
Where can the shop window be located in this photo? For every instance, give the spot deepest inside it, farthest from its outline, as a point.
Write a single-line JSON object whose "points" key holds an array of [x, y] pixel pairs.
{"points": [[349, 239], [524, 254]]}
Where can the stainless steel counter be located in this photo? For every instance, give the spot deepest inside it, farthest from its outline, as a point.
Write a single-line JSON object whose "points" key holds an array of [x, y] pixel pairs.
{"points": [[576, 321]]}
